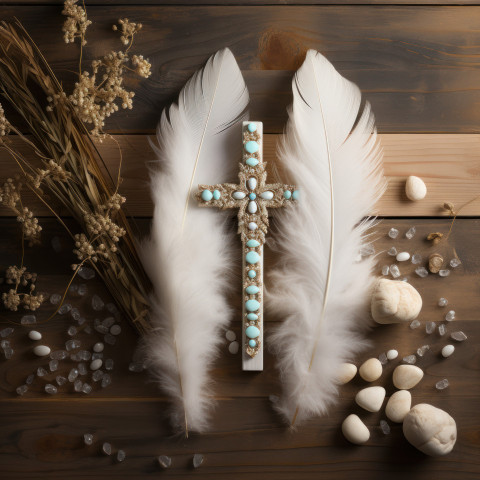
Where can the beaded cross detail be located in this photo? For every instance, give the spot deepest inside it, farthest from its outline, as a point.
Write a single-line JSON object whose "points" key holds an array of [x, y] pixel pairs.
{"points": [[252, 196]]}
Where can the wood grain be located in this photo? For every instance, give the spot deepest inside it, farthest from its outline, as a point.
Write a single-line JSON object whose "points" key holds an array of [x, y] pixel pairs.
{"points": [[417, 65], [449, 164]]}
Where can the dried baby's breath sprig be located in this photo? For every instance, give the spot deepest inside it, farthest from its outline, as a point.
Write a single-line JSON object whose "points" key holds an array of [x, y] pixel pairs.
{"points": [[20, 277], [143, 66], [76, 23], [128, 30], [4, 124]]}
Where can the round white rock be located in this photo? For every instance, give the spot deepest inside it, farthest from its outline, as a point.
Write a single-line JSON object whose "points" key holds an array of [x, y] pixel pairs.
{"points": [[398, 406], [392, 354], [355, 430], [34, 335], [346, 372], [371, 370], [415, 188], [96, 364], [402, 256], [447, 350], [98, 347], [432, 430], [371, 398], [406, 377], [41, 350]]}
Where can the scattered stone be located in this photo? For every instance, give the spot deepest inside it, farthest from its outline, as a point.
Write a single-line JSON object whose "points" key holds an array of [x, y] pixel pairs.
{"points": [[422, 350], [97, 355], [444, 273], [430, 327], [164, 461], [96, 364], [8, 352], [346, 372], [30, 379], [108, 322], [28, 320], [72, 344], [85, 355], [441, 329], [41, 350], [97, 303], [115, 330], [109, 364], [72, 375], [65, 308], [410, 233], [198, 459], [415, 188], [6, 332], [383, 358], [430, 430], [86, 388], [385, 270], [121, 456], [86, 273], [415, 324], [98, 347], [385, 427], [82, 369], [51, 389], [22, 390], [77, 385], [367, 250], [106, 380], [61, 380], [442, 384], [455, 262], [442, 302], [371, 370], [59, 355], [97, 375], [5, 344], [354, 430], [394, 271], [34, 335], [53, 365], [447, 350], [403, 256], [458, 336], [107, 448], [233, 348], [55, 298], [82, 289], [435, 262], [410, 359], [450, 316], [88, 438], [71, 331], [406, 377], [392, 354], [398, 406], [392, 252], [416, 259], [110, 339], [393, 233], [421, 272], [230, 335], [371, 398]]}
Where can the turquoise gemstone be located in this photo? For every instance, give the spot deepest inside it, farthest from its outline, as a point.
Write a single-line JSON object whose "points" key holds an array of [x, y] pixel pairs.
{"points": [[252, 274], [253, 243], [252, 257], [207, 195], [252, 317], [287, 194], [251, 127], [252, 196], [252, 305], [296, 195], [251, 162], [216, 194], [252, 343], [252, 290], [251, 146], [252, 332]]}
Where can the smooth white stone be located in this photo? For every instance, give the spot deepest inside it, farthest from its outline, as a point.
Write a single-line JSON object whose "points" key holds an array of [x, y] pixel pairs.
{"points": [[447, 350], [429, 429], [402, 256], [98, 347], [406, 377], [371, 370], [392, 354], [234, 347], [115, 329], [252, 183], [96, 364], [230, 335], [415, 188], [355, 430], [346, 372], [395, 302], [34, 335], [41, 350], [252, 207], [238, 195], [398, 406], [371, 398], [268, 195], [252, 226]]}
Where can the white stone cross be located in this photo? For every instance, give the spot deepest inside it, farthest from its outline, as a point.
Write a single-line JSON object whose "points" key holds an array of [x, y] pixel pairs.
{"points": [[252, 196]]}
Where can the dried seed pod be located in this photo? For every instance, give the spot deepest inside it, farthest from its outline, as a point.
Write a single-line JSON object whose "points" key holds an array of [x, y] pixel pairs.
{"points": [[435, 262], [449, 207], [435, 237]]}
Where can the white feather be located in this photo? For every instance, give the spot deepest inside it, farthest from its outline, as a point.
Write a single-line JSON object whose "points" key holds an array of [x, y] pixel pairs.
{"points": [[319, 288], [188, 254]]}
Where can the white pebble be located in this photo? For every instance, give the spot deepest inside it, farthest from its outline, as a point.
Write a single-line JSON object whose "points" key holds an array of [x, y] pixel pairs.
{"points": [[398, 406], [392, 354], [96, 364], [115, 330], [371, 398], [98, 347], [346, 372], [403, 256], [355, 430], [41, 350], [34, 335], [406, 377], [415, 188], [447, 350], [233, 348], [371, 370], [230, 335]]}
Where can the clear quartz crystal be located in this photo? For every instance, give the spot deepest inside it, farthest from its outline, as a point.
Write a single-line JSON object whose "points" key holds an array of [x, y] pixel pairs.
{"points": [[458, 336], [422, 350], [86, 388], [416, 258], [30, 379], [86, 273], [55, 298], [383, 358], [393, 233], [28, 320], [85, 355], [51, 389], [72, 331], [72, 344], [61, 380], [411, 233], [393, 252], [77, 385], [88, 438], [442, 384], [106, 380], [108, 322], [421, 272], [41, 372], [59, 355], [442, 302], [5, 344], [198, 459], [22, 390], [97, 355], [97, 375], [385, 427], [6, 332], [441, 330], [121, 456], [75, 313], [65, 308], [109, 364], [110, 339], [444, 273], [385, 270], [430, 327], [450, 316], [87, 330], [97, 303], [53, 365], [164, 461], [82, 289], [72, 375], [410, 359], [394, 271], [455, 262], [8, 353], [82, 368], [367, 250], [75, 357], [415, 324], [107, 448]]}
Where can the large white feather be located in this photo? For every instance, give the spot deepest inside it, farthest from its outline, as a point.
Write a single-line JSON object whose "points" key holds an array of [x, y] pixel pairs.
{"points": [[319, 288], [187, 256]]}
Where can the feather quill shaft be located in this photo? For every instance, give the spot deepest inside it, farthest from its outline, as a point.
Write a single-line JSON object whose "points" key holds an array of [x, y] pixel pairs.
{"points": [[330, 150], [187, 255]]}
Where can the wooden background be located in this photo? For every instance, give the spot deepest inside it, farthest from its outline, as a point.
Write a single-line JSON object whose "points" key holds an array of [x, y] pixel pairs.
{"points": [[418, 63]]}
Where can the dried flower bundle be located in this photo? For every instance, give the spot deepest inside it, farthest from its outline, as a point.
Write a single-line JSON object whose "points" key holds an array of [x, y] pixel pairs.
{"points": [[65, 164]]}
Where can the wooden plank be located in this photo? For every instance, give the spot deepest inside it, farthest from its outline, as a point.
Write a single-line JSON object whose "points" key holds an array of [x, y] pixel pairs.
{"points": [[417, 65], [449, 164]]}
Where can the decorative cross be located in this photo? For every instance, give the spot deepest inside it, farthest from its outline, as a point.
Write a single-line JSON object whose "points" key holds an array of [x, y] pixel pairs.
{"points": [[252, 196]]}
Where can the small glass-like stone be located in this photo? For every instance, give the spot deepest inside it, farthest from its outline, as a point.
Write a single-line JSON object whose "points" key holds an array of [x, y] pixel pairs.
{"points": [[410, 359], [72, 331], [385, 270], [367, 250], [8, 353], [383, 358], [59, 355], [51, 389], [87, 330], [442, 384], [65, 308], [86, 273], [41, 372], [53, 365], [106, 380], [28, 320], [107, 448], [115, 330], [82, 289], [97, 375], [97, 303], [5, 344], [198, 459], [385, 427], [444, 273], [85, 355], [416, 258], [441, 330], [458, 336], [411, 233], [422, 350], [450, 316], [110, 339], [72, 344], [55, 298], [22, 390], [30, 379], [164, 461], [97, 355], [393, 233], [75, 357], [415, 324], [6, 332], [421, 272], [88, 438], [72, 375], [77, 385], [61, 380], [82, 369], [230, 335], [442, 302], [108, 322], [393, 252], [455, 262], [430, 327], [86, 388], [394, 271], [101, 328], [121, 456], [75, 313]]}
